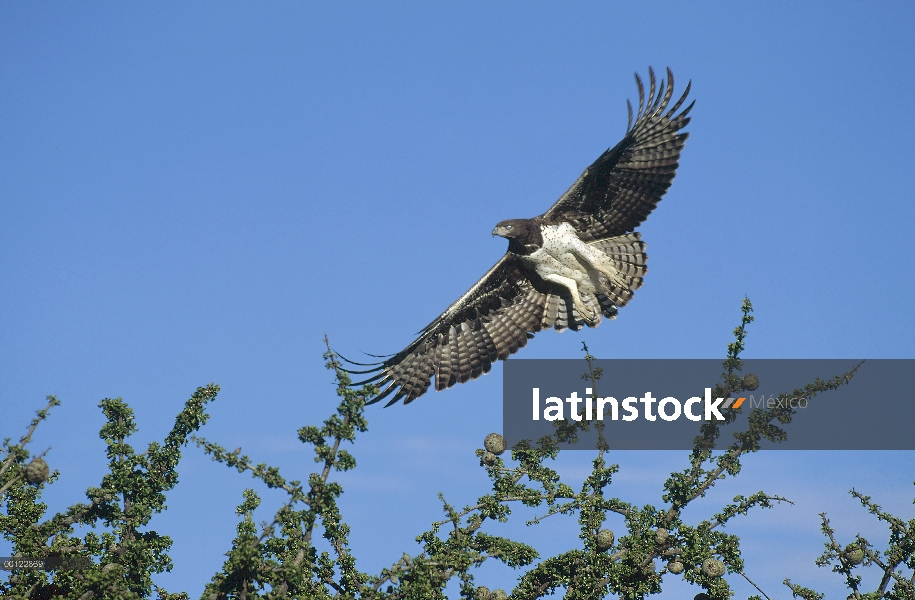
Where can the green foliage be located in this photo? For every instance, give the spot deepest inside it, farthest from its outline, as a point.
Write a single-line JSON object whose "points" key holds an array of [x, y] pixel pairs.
{"points": [[858, 554], [281, 559], [122, 559]]}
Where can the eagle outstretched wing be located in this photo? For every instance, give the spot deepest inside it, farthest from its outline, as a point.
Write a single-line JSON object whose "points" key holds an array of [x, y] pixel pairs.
{"points": [[490, 322], [618, 191], [506, 306]]}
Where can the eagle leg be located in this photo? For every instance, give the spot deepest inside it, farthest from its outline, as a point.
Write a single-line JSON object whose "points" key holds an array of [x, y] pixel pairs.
{"points": [[569, 283], [595, 259]]}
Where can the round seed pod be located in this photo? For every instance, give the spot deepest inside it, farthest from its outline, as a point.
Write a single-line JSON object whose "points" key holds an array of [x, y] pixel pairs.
{"points": [[495, 443], [713, 567], [604, 539], [499, 594], [750, 381], [675, 567], [36, 472], [854, 555], [660, 535], [488, 458], [482, 593]]}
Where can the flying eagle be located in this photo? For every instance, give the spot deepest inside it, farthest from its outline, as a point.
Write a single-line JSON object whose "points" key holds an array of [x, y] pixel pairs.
{"points": [[574, 264]]}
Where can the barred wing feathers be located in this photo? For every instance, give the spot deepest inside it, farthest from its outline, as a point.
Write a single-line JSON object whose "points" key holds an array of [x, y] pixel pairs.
{"points": [[490, 322], [619, 190], [493, 320]]}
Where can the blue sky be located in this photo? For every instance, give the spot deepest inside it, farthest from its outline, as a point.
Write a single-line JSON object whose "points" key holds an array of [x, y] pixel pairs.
{"points": [[199, 192]]}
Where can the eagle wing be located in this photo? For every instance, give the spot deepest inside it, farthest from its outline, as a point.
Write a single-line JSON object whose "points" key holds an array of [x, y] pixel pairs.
{"points": [[491, 321], [618, 191]]}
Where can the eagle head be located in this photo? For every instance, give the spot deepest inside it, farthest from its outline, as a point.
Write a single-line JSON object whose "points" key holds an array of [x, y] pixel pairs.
{"points": [[513, 229]]}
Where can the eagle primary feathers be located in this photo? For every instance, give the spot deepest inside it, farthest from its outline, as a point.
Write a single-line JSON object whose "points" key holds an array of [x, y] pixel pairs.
{"points": [[572, 266]]}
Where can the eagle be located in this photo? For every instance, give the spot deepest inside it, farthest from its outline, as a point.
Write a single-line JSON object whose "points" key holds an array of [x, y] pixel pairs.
{"points": [[570, 267]]}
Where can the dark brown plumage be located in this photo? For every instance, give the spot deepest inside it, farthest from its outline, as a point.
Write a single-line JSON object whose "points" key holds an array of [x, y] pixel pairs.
{"points": [[567, 268]]}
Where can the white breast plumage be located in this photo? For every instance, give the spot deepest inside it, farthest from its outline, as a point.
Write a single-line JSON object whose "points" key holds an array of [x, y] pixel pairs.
{"points": [[566, 260]]}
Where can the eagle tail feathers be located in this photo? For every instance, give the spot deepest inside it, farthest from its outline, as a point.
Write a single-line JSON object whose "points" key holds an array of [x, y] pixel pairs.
{"points": [[626, 252]]}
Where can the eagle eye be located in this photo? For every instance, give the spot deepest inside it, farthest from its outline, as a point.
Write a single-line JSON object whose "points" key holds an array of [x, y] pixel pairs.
{"points": [[508, 226]]}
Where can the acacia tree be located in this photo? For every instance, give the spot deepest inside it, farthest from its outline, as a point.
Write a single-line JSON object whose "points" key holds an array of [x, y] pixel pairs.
{"points": [[280, 559]]}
